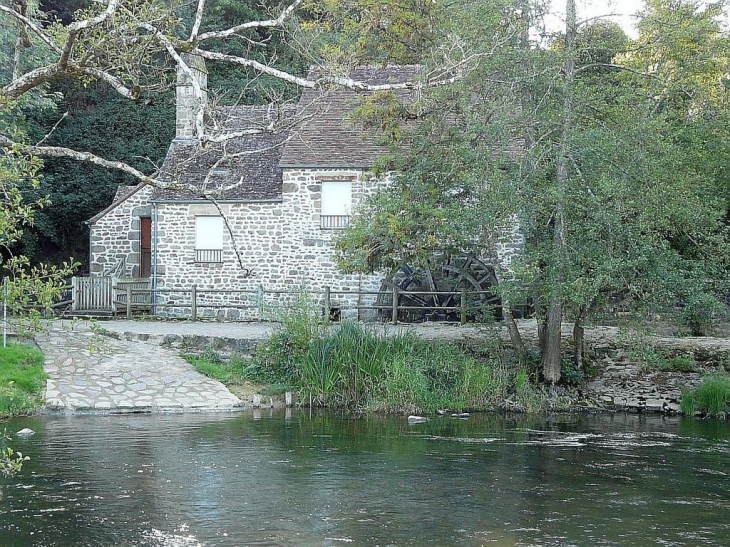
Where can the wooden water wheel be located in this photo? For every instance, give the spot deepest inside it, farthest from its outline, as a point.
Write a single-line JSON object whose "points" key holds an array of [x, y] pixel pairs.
{"points": [[443, 273]]}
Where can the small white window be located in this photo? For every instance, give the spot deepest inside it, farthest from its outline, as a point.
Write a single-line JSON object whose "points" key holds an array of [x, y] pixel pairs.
{"points": [[336, 203], [208, 239]]}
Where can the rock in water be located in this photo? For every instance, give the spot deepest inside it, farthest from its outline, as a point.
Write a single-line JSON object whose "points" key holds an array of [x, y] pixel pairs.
{"points": [[25, 432], [462, 415], [416, 419]]}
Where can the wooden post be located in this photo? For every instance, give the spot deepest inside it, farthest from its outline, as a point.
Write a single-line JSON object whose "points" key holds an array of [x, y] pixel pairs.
{"points": [[129, 301], [194, 303], [113, 288], [394, 313], [260, 298], [287, 398], [463, 305], [74, 293], [327, 304]]}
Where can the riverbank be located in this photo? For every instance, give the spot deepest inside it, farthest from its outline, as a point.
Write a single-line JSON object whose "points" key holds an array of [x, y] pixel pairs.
{"points": [[628, 371]]}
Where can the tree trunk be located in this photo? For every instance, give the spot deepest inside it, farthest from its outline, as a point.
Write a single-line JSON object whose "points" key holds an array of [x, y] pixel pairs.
{"points": [[514, 332], [512, 328], [540, 319], [579, 337], [552, 350], [551, 356], [527, 99]]}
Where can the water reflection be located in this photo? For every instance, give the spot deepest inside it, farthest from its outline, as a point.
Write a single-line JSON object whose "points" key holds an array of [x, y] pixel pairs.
{"points": [[294, 479]]}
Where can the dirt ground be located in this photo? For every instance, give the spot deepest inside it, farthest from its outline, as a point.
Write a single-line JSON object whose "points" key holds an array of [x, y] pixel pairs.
{"points": [[658, 333]]}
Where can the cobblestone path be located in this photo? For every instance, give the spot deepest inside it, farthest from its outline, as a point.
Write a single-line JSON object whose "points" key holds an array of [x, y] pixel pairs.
{"points": [[88, 371]]}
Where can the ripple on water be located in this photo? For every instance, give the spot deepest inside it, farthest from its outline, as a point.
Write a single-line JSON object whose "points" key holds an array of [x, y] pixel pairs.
{"points": [[323, 480]]}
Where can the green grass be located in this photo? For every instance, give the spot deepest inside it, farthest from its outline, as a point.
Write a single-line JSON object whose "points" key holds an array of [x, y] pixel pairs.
{"points": [[651, 357], [711, 397], [21, 379], [348, 365], [211, 365]]}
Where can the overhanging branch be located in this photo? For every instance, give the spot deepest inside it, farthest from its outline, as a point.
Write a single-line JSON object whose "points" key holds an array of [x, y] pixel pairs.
{"points": [[32, 26], [279, 21]]}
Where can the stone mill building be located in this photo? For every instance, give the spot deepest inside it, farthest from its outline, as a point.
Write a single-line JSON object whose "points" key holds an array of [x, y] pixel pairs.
{"points": [[255, 211], [249, 218]]}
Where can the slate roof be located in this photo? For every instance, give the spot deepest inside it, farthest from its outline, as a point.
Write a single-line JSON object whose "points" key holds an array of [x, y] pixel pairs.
{"points": [[251, 173], [328, 137]]}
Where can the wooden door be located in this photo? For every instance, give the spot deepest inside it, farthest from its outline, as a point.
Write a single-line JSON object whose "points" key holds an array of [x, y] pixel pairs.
{"points": [[145, 263]]}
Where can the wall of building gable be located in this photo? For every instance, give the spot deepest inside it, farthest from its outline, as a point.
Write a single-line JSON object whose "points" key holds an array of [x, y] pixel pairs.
{"points": [[115, 238]]}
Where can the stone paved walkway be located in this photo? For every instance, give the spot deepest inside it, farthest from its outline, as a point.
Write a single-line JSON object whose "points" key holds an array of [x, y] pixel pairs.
{"points": [[88, 371]]}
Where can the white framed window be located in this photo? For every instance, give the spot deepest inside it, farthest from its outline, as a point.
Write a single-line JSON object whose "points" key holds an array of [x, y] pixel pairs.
{"points": [[336, 204], [208, 239]]}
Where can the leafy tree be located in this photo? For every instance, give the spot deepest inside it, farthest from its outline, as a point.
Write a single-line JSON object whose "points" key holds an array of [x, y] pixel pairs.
{"points": [[27, 290], [615, 189]]}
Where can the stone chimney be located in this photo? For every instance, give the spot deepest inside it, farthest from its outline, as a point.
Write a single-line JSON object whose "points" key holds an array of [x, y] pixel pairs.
{"points": [[186, 103]]}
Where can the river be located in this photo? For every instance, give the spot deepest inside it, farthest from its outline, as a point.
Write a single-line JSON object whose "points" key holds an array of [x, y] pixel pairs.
{"points": [[293, 479]]}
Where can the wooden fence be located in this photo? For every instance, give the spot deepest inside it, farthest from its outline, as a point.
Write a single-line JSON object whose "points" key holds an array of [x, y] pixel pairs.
{"points": [[106, 294], [93, 294], [131, 298]]}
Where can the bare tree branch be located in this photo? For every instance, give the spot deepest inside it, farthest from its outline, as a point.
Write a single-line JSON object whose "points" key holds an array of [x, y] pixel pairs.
{"points": [[114, 82], [75, 28], [111, 7], [32, 79], [64, 65], [55, 125], [63, 152], [197, 90], [617, 67], [32, 26], [198, 22], [279, 21]]}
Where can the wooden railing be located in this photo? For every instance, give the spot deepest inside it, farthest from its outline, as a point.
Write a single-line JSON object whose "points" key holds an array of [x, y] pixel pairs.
{"points": [[106, 294], [93, 293]]}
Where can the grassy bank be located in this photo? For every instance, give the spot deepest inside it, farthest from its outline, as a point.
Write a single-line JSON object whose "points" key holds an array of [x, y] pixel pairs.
{"points": [[348, 365], [710, 398], [21, 379]]}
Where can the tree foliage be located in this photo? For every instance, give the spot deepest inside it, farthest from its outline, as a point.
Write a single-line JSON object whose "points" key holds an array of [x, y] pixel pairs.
{"points": [[621, 185], [27, 289], [611, 152]]}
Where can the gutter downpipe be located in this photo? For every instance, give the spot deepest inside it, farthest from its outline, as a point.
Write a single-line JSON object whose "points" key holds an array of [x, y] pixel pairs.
{"points": [[154, 258]]}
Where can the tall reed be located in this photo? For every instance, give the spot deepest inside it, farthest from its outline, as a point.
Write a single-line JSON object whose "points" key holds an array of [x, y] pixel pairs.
{"points": [[711, 397]]}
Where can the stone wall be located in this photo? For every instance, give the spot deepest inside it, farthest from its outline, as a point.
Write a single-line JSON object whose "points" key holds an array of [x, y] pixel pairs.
{"points": [[115, 237], [280, 246]]}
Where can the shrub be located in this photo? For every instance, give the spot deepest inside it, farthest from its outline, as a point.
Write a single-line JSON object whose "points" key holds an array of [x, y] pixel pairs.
{"points": [[349, 365], [682, 363], [299, 326], [701, 312], [570, 373]]}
